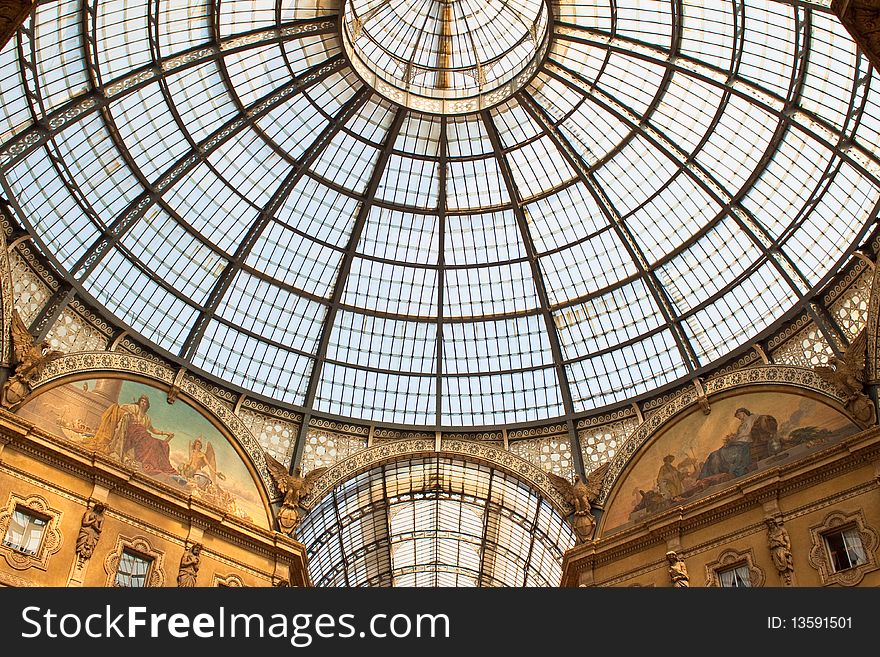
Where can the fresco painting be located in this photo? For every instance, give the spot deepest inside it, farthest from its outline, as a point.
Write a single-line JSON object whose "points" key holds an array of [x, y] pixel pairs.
{"points": [[698, 453], [173, 443]]}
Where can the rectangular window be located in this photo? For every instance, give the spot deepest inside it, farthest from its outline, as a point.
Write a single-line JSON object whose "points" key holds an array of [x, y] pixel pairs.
{"points": [[735, 576], [25, 531], [845, 548], [133, 569]]}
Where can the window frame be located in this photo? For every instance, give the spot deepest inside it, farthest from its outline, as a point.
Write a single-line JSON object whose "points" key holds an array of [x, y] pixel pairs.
{"points": [[50, 540], [731, 558], [821, 554], [136, 557], [139, 546]]}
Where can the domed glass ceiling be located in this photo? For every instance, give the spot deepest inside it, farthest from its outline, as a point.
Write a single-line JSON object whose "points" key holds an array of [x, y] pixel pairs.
{"points": [[673, 179], [446, 56]]}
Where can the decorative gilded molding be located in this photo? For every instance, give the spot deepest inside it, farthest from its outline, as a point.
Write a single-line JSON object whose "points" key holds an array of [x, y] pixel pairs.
{"points": [[797, 377], [861, 18], [230, 581], [7, 300], [607, 418], [122, 363], [846, 280], [530, 474], [140, 545], [339, 427], [872, 362], [789, 331], [8, 579], [12, 14], [35, 262], [538, 432], [820, 559], [263, 408], [50, 542], [731, 558]]}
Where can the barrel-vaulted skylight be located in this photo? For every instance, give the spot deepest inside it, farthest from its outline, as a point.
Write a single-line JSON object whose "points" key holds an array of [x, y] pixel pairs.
{"points": [[671, 181], [435, 521]]}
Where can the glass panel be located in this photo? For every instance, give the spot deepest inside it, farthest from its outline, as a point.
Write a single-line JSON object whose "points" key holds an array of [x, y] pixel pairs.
{"points": [[132, 570], [25, 531]]}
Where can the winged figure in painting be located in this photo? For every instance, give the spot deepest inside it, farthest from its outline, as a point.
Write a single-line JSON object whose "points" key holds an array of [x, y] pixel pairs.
{"points": [[581, 494]]}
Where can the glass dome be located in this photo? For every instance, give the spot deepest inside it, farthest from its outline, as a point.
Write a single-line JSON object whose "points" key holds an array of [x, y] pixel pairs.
{"points": [[445, 56], [667, 183]]}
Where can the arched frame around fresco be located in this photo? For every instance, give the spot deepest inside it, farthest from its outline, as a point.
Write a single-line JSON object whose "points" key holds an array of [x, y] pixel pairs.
{"points": [[74, 368], [794, 381], [493, 457]]}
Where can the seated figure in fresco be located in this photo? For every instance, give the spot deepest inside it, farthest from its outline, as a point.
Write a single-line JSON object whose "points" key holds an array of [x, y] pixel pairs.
{"points": [[669, 479], [742, 449], [126, 431]]}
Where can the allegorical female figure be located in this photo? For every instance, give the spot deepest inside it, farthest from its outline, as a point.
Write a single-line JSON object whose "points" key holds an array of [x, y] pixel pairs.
{"points": [[90, 530], [127, 431]]}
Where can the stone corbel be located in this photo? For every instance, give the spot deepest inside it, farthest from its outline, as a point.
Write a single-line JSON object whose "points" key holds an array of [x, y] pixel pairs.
{"points": [[175, 387], [702, 399]]}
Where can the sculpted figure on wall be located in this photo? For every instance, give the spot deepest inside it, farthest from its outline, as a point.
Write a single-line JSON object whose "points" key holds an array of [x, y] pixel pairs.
{"points": [[189, 566], [780, 549], [28, 358], [295, 487], [90, 530], [848, 374], [677, 570], [581, 496]]}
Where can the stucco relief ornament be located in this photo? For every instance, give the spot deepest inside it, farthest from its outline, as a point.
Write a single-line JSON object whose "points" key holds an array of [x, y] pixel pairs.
{"points": [[295, 487], [848, 374], [581, 496], [28, 358]]}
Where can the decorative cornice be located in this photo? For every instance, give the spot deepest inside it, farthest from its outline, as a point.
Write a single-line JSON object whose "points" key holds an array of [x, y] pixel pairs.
{"points": [[796, 325], [337, 427], [872, 364], [7, 297], [607, 418], [483, 453], [797, 377]]}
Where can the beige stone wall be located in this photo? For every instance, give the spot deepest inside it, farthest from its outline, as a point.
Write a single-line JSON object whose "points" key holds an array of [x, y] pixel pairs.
{"points": [[840, 482], [162, 522]]}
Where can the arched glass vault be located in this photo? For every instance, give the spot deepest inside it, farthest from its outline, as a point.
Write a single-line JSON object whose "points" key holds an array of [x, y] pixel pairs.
{"points": [[672, 181], [435, 521]]}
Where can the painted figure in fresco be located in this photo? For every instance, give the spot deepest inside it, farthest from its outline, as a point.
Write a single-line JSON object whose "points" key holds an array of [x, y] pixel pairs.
{"points": [[202, 463], [669, 479], [743, 448], [127, 431]]}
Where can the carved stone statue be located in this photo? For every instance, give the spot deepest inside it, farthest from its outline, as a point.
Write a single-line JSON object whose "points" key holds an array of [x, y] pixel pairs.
{"points": [[848, 374], [295, 487], [90, 530], [677, 570], [189, 566], [581, 496], [780, 549], [28, 357]]}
